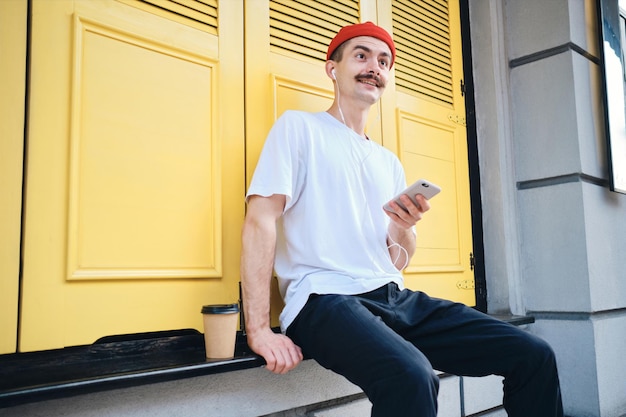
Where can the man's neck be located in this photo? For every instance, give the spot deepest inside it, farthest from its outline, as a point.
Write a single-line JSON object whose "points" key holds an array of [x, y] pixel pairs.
{"points": [[355, 119]]}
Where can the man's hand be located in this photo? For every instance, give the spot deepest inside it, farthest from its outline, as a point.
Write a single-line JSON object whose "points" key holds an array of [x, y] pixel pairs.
{"points": [[407, 219], [279, 352], [401, 239]]}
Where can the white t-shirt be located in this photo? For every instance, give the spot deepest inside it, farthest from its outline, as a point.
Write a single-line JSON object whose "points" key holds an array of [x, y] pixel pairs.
{"points": [[332, 236]]}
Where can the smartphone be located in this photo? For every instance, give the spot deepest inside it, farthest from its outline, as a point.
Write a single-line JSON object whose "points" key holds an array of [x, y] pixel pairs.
{"points": [[423, 187]]}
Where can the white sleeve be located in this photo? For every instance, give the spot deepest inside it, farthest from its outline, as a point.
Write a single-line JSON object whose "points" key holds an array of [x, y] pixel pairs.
{"points": [[276, 171]]}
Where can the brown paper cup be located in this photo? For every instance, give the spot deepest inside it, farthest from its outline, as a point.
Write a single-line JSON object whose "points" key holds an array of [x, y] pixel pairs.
{"points": [[220, 330]]}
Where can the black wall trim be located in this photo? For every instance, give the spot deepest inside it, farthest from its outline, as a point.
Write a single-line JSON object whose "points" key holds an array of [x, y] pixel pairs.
{"points": [[480, 279], [562, 179], [538, 56]]}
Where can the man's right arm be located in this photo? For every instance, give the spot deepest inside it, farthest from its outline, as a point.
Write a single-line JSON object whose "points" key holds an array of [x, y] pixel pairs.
{"points": [[257, 263]]}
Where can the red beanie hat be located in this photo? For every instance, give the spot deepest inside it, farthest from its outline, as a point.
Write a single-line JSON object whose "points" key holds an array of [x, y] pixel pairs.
{"points": [[362, 29]]}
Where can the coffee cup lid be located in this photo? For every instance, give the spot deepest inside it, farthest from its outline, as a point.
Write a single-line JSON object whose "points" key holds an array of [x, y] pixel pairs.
{"points": [[220, 308]]}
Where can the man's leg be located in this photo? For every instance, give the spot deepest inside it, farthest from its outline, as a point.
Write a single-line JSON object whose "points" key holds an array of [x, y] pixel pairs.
{"points": [[344, 335], [463, 341]]}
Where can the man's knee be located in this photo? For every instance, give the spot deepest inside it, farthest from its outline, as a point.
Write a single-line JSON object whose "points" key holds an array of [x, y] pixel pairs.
{"points": [[538, 352], [411, 377], [412, 391], [423, 378]]}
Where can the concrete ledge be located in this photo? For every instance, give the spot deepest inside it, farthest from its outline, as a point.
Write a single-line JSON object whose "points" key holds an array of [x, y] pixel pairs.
{"points": [[244, 393], [122, 361]]}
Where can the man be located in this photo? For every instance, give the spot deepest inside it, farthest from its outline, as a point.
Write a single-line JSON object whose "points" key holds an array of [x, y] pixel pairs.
{"points": [[315, 216]]}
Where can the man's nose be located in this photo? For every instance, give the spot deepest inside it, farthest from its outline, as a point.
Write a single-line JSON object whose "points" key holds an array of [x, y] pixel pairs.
{"points": [[373, 68]]}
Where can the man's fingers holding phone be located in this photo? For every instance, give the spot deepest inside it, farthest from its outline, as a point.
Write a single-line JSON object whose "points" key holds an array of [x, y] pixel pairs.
{"points": [[421, 187]]}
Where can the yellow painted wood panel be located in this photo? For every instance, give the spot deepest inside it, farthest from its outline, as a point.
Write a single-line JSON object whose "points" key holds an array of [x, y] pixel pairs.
{"points": [[13, 18], [199, 14], [135, 179], [423, 132], [137, 171], [143, 146], [432, 144], [280, 79]]}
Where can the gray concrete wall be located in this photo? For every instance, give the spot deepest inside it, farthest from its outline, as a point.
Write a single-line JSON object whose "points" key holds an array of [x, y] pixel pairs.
{"points": [[554, 234]]}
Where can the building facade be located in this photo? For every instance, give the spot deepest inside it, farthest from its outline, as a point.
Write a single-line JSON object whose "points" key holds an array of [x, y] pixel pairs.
{"points": [[129, 133]]}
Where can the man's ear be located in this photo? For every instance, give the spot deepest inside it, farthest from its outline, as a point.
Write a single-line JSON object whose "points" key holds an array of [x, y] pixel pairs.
{"points": [[330, 70]]}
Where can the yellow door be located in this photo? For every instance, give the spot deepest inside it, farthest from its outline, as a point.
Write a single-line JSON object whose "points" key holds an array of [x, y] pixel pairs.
{"points": [[135, 181], [13, 18], [428, 111], [285, 48], [135, 167], [286, 42]]}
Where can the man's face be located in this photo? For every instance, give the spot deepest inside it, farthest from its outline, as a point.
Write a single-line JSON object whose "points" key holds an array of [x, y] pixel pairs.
{"points": [[363, 71]]}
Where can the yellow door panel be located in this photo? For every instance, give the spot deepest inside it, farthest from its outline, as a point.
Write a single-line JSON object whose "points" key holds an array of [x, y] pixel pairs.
{"points": [[136, 169], [285, 47], [143, 144], [13, 18], [199, 14], [290, 94], [437, 151], [432, 142], [285, 50], [133, 179], [438, 238]]}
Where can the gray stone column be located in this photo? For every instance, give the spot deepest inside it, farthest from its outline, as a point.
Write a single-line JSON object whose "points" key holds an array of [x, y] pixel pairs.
{"points": [[555, 236]]}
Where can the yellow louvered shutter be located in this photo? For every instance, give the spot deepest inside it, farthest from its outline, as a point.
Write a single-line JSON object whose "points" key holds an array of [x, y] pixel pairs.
{"points": [[422, 37], [305, 27], [201, 14]]}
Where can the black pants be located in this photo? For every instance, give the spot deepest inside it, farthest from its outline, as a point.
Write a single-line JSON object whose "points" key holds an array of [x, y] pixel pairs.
{"points": [[388, 341]]}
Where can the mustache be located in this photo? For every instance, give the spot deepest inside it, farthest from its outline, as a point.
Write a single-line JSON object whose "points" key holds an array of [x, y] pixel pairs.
{"points": [[370, 76]]}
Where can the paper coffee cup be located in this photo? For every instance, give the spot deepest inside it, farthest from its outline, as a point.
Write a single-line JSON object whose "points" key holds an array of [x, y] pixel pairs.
{"points": [[220, 330]]}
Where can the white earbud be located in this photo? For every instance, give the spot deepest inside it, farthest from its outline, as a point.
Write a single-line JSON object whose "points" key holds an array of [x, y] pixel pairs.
{"points": [[334, 75]]}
